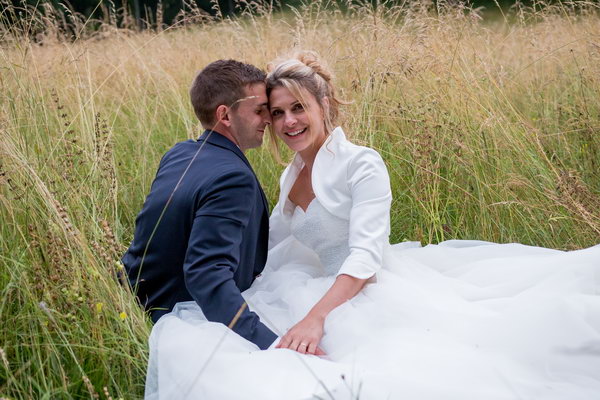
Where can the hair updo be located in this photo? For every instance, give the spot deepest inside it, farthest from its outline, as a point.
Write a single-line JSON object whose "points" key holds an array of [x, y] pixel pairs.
{"points": [[305, 70]]}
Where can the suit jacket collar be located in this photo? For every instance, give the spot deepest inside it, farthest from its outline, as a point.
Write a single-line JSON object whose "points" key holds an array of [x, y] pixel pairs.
{"points": [[216, 139]]}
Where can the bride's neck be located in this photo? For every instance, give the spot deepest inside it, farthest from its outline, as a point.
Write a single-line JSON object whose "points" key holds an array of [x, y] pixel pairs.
{"points": [[308, 158], [309, 154]]}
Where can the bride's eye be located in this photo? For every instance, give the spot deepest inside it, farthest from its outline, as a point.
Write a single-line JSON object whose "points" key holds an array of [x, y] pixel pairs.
{"points": [[275, 113], [297, 107]]}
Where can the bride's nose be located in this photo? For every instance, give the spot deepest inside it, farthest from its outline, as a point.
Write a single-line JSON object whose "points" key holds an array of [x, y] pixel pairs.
{"points": [[290, 120]]}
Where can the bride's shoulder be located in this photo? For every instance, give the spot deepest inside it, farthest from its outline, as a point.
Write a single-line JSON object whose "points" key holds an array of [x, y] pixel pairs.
{"points": [[363, 165]]}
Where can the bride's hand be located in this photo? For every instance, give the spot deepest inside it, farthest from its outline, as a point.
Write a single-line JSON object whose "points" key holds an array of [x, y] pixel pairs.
{"points": [[304, 337]]}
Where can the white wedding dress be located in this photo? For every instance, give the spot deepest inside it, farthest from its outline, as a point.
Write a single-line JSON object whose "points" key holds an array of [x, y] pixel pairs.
{"points": [[458, 320]]}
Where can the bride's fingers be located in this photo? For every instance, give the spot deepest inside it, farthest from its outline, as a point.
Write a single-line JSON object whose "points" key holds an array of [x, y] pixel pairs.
{"points": [[312, 347], [294, 345], [302, 348], [284, 343]]}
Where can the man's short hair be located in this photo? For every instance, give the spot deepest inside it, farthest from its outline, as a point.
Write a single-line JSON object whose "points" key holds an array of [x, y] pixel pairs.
{"points": [[221, 82]]}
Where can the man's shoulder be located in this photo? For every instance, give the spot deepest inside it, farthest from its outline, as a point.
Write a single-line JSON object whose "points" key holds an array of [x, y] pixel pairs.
{"points": [[179, 150], [206, 156]]}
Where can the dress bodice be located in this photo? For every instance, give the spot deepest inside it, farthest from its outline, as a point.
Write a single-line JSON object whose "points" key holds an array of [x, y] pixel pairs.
{"points": [[324, 233]]}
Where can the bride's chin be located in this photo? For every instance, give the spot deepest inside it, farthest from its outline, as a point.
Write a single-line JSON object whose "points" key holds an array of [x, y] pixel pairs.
{"points": [[296, 146], [293, 145]]}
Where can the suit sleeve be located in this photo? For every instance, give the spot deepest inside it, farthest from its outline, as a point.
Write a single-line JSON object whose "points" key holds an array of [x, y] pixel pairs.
{"points": [[369, 185], [213, 255]]}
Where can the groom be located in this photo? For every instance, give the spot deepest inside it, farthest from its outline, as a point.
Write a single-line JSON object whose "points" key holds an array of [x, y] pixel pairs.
{"points": [[203, 230]]}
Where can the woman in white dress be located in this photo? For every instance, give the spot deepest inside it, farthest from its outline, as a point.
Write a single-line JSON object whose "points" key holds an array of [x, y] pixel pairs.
{"points": [[458, 320]]}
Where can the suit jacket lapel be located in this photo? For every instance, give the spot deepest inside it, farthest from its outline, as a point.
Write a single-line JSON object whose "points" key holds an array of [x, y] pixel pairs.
{"points": [[215, 138]]}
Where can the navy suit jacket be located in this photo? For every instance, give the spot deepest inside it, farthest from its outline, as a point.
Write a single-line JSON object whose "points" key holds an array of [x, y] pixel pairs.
{"points": [[202, 235]]}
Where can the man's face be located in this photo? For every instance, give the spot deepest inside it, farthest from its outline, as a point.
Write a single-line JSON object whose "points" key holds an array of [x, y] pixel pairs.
{"points": [[249, 119]]}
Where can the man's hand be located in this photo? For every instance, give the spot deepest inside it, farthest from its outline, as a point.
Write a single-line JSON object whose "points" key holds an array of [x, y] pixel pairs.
{"points": [[304, 337]]}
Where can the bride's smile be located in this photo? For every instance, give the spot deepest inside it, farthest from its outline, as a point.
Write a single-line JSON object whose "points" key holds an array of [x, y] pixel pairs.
{"points": [[295, 133]]}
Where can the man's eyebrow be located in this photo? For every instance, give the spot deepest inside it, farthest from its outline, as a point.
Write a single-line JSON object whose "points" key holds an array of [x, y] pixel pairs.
{"points": [[265, 104]]}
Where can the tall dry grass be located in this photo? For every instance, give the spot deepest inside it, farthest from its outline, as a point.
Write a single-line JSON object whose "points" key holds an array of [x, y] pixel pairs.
{"points": [[489, 130]]}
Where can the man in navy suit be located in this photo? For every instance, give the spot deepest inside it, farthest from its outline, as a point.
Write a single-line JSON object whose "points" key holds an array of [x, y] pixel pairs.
{"points": [[203, 230]]}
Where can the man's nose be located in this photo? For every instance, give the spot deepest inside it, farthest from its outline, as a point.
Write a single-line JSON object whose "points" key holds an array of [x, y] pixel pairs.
{"points": [[267, 119]]}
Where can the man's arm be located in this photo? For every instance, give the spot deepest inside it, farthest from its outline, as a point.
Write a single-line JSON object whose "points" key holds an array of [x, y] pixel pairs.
{"points": [[213, 255]]}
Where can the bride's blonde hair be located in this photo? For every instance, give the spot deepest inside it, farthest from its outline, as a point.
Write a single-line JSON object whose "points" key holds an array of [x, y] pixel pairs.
{"points": [[304, 70]]}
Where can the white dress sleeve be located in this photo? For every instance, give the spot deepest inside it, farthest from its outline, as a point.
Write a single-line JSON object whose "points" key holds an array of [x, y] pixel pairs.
{"points": [[369, 186]]}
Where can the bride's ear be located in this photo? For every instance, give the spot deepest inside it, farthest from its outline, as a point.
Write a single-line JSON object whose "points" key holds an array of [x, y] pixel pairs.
{"points": [[222, 113]]}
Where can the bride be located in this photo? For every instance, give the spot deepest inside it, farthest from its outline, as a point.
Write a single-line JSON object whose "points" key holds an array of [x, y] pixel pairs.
{"points": [[360, 319]]}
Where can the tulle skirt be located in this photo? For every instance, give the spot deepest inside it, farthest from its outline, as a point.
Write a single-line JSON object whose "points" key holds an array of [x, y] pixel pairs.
{"points": [[458, 320]]}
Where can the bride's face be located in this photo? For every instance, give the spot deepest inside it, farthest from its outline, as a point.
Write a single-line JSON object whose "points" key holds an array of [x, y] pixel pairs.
{"points": [[300, 127]]}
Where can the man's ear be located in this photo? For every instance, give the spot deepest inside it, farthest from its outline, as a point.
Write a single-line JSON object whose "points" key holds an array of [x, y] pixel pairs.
{"points": [[222, 113]]}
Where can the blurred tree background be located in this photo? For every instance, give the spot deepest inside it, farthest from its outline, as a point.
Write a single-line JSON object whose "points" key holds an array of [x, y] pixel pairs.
{"points": [[146, 11]]}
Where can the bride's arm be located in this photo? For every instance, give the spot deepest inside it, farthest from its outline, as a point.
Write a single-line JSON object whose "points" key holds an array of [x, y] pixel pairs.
{"points": [[369, 228], [305, 336]]}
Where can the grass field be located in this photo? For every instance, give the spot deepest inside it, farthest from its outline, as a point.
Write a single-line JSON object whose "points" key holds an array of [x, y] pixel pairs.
{"points": [[490, 130]]}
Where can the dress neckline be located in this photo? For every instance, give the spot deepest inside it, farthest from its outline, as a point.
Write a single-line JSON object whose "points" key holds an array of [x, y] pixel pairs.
{"points": [[301, 209]]}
